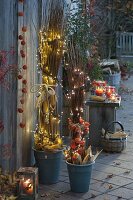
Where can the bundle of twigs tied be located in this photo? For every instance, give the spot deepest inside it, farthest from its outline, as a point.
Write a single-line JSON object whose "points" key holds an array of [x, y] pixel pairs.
{"points": [[52, 45], [76, 76]]}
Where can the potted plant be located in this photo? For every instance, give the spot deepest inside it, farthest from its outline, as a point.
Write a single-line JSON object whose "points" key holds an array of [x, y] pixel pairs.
{"points": [[47, 141], [79, 157], [48, 156]]}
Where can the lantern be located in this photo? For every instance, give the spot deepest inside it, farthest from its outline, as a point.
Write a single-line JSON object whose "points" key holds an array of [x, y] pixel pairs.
{"points": [[28, 183]]}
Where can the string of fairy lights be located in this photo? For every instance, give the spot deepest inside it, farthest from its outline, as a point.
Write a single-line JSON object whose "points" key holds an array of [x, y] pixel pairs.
{"points": [[76, 78], [47, 133]]}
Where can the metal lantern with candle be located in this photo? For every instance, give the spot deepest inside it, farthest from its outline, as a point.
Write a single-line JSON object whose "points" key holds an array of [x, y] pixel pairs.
{"points": [[28, 183]]}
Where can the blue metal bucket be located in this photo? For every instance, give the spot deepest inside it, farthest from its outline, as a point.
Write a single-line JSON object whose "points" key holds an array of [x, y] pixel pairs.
{"points": [[49, 164], [79, 177]]}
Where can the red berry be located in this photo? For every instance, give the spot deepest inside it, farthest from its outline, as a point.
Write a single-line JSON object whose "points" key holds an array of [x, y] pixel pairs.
{"points": [[24, 28], [23, 55], [22, 125], [20, 37], [20, 110], [24, 81], [24, 66], [20, 76], [24, 90], [23, 42]]}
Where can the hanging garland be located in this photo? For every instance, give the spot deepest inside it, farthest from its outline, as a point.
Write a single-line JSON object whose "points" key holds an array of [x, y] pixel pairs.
{"points": [[21, 76]]}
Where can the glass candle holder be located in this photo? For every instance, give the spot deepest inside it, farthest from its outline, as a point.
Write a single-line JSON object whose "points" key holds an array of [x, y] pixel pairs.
{"points": [[109, 91], [99, 91]]}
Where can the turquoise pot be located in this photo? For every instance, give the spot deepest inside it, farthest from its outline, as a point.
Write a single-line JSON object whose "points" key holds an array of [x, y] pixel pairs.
{"points": [[80, 176], [49, 165]]}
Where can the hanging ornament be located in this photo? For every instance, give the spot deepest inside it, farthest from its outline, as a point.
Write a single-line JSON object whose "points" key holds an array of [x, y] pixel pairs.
{"points": [[24, 90], [20, 76], [22, 125], [24, 28], [23, 42], [20, 37], [24, 67], [23, 55], [24, 81], [20, 110]]}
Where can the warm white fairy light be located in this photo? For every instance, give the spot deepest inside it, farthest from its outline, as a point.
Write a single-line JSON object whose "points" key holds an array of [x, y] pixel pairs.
{"points": [[73, 92]]}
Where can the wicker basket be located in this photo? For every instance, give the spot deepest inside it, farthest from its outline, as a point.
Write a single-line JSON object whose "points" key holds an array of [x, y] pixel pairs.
{"points": [[113, 144]]}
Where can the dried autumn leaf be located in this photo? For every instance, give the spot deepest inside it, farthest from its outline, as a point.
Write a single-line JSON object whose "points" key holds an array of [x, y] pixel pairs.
{"points": [[117, 163], [109, 175], [110, 186], [45, 195], [57, 196], [127, 172], [93, 195]]}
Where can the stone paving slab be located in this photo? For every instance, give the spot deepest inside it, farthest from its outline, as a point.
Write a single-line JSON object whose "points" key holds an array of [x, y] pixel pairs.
{"points": [[103, 187], [125, 165], [120, 181], [98, 175], [63, 178], [125, 156], [122, 192], [107, 197], [129, 186], [87, 195], [127, 174], [61, 187], [109, 169], [117, 162], [48, 195]]}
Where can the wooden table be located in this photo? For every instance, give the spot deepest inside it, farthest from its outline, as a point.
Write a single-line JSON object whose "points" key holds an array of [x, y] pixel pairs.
{"points": [[100, 115]]}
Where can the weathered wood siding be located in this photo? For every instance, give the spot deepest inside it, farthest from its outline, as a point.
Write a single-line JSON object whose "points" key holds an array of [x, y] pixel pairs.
{"points": [[8, 98], [15, 143]]}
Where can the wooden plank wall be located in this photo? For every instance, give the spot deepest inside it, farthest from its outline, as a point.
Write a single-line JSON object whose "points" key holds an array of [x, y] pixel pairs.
{"points": [[15, 142], [8, 100]]}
